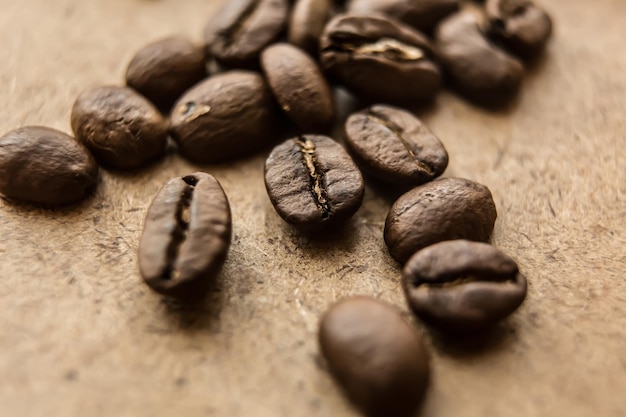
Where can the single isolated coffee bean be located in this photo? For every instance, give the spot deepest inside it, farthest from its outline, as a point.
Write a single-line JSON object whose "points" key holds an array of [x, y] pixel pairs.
{"points": [[238, 33], [163, 70], [228, 115], [299, 87], [463, 286], [444, 209], [306, 24], [120, 127], [45, 166], [394, 146], [376, 356], [312, 183], [380, 59], [186, 236]]}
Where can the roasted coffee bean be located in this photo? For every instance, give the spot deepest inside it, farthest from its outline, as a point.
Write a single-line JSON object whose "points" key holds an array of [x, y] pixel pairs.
{"points": [[45, 166], [444, 209], [228, 115], [162, 71], [463, 286], [376, 356], [312, 183], [238, 33], [299, 87], [186, 236], [379, 59], [307, 22], [477, 67], [120, 127], [394, 146]]}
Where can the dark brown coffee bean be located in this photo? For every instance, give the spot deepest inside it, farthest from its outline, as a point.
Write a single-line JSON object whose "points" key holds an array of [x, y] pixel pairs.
{"points": [[186, 236], [162, 71], [393, 145], [463, 286], [228, 115], [312, 183], [379, 59], [120, 127], [238, 33], [299, 87], [307, 22], [45, 166], [444, 209], [376, 356]]}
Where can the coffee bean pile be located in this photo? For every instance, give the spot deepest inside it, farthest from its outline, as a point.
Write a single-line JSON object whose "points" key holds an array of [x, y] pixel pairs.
{"points": [[273, 68]]}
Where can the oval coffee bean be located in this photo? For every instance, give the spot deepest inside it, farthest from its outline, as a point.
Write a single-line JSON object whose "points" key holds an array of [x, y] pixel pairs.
{"points": [[376, 356], [307, 22], [228, 115], [312, 183], [463, 286], [186, 236], [45, 166], [120, 127], [163, 70], [444, 209], [379, 59], [299, 87], [393, 145]]}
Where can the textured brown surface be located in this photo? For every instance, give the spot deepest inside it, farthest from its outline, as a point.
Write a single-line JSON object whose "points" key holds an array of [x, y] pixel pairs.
{"points": [[81, 335]]}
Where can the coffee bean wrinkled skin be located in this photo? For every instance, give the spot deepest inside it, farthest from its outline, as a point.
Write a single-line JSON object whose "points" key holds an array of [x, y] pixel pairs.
{"points": [[238, 33], [394, 146], [376, 356], [306, 24], [444, 209], [379, 59], [463, 286], [228, 115], [45, 166], [186, 236], [121, 128], [299, 87], [163, 70], [313, 183]]}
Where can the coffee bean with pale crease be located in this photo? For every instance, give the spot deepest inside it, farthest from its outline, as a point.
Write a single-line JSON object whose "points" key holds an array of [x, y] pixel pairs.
{"points": [[306, 24]]}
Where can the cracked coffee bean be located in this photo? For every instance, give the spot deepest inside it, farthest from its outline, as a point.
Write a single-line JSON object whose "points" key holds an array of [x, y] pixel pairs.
{"points": [[377, 357], [394, 146], [307, 22], [444, 209], [186, 236], [45, 166], [312, 183], [299, 87], [463, 286], [121, 128], [380, 59]]}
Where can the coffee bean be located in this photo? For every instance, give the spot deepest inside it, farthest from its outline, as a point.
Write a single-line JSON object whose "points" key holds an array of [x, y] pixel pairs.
{"points": [[299, 87], [379, 59], [463, 286], [186, 236], [307, 22], [394, 146], [312, 183], [444, 209], [376, 356], [45, 166], [228, 115], [162, 71], [120, 127], [238, 33]]}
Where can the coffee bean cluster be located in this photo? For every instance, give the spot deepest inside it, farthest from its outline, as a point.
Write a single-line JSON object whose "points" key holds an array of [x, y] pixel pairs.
{"points": [[265, 74]]}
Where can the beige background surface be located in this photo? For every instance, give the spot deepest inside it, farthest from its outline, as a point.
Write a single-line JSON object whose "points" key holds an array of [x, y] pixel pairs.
{"points": [[80, 335]]}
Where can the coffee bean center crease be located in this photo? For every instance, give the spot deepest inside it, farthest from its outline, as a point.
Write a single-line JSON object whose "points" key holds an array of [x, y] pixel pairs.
{"points": [[307, 148]]}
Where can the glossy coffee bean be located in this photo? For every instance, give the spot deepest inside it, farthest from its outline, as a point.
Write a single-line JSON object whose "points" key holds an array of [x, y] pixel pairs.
{"points": [[463, 286], [394, 146], [121, 128], [312, 183], [186, 236], [444, 209], [376, 356], [45, 166], [307, 22]]}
